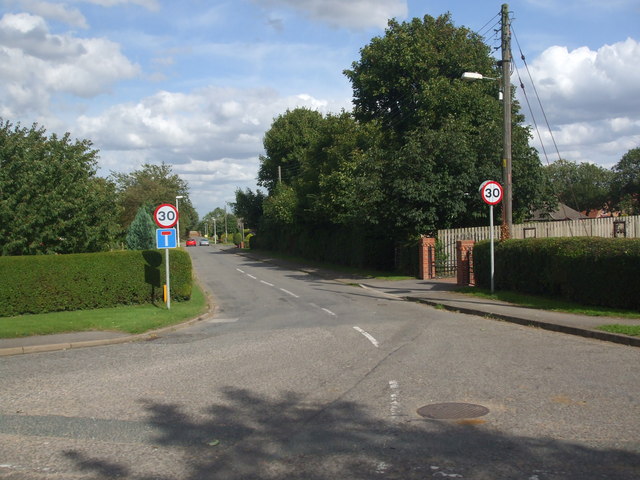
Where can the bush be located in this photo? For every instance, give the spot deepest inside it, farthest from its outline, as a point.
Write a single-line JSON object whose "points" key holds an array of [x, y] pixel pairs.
{"points": [[47, 283], [332, 244], [588, 270], [237, 238]]}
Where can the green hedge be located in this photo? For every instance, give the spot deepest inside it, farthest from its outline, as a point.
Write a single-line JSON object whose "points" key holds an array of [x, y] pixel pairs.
{"points": [[332, 244], [47, 283], [588, 270]]}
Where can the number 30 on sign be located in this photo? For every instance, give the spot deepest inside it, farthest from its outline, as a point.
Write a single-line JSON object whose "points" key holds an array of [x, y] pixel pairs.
{"points": [[491, 192], [166, 215]]}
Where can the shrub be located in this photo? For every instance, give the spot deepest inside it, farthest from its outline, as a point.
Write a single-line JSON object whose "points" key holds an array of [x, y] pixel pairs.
{"points": [[141, 234], [47, 283], [589, 270]]}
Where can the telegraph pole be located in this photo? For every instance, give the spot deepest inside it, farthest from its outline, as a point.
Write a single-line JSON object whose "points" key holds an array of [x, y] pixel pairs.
{"points": [[507, 218]]}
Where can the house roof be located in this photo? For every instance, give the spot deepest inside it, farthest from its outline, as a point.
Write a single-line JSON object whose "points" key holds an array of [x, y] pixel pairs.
{"points": [[561, 212]]}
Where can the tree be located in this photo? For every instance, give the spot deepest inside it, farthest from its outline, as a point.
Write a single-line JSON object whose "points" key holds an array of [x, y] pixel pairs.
{"points": [[583, 186], [280, 207], [626, 182], [225, 221], [50, 198], [141, 232], [442, 136], [248, 206], [285, 144], [154, 185]]}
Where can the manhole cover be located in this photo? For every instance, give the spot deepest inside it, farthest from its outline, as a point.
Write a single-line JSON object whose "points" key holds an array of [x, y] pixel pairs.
{"points": [[452, 411]]}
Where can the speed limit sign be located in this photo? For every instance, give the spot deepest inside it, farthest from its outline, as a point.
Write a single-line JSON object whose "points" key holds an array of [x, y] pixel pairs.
{"points": [[491, 192], [165, 215]]}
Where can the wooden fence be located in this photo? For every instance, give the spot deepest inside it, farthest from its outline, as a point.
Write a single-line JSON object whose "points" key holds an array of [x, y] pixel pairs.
{"points": [[609, 227]]}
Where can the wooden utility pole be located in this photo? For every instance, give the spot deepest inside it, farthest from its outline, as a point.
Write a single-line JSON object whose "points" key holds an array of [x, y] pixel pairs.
{"points": [[507, 218]]}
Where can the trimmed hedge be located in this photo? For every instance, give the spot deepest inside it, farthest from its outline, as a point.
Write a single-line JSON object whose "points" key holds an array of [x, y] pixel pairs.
{"points": [[48, 283], [588, 270], [332, 244]]}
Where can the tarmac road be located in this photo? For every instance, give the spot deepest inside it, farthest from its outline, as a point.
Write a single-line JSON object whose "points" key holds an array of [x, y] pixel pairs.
{"points": [[300, 376]]}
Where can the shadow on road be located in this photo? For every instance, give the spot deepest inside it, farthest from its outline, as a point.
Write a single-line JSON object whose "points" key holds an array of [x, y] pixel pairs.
{"points": [[254, 437]]}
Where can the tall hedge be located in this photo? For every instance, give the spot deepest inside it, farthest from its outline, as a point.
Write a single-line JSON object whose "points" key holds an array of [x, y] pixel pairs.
{"points": [[344, 246], [47, 283], [588, 270]]}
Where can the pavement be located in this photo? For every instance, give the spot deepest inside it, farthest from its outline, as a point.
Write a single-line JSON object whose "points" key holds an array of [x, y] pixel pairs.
{"points": [[439, 293]]}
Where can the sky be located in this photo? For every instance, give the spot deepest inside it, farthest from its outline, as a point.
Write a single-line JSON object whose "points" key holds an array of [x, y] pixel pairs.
{"points": [[197, 83]]}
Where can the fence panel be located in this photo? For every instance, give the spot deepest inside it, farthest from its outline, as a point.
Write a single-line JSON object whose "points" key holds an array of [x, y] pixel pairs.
{"points": [[609, 227]]}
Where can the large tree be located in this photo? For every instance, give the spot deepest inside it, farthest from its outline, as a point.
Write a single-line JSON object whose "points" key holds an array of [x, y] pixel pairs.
{"points": [[154, 185], [50, 198], [285, 144], [248, 206], [443, 137], [582, 186], [626, 182]]}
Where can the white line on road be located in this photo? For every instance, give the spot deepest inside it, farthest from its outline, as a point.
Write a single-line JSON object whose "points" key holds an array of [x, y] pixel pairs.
{"points": [[395, 398], [241, 271], [368, 336], [266, 283], [329, 312], [290, 293], [251, 276]]}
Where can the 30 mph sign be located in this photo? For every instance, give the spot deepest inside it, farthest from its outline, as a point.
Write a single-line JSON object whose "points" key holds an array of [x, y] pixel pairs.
{"points": [[491, 192], [165, 216]]}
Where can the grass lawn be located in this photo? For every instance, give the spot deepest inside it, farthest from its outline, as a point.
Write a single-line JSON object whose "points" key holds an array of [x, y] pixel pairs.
{"points": [[129, 319], [553, 304], [633, 330]]}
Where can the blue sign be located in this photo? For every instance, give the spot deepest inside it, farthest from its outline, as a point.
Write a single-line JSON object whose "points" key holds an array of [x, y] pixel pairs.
{"points": [[166, 238]]}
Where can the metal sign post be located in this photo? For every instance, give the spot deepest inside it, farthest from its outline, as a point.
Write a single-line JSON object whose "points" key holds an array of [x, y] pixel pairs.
{"points": [[166, 216], [491, 195], [166, 238]]}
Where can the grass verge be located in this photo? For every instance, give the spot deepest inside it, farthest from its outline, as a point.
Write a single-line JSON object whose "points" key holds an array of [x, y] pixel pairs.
{"points": [[552, 304], [129, 319], [633, 330]]}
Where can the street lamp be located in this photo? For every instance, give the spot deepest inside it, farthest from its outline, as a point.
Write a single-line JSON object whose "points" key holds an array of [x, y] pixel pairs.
{"points": [[178, 225], [215, 233], [507, 218]]}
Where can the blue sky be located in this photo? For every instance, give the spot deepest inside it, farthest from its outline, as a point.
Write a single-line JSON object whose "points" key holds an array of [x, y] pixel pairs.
{"points": [[196, 83]]}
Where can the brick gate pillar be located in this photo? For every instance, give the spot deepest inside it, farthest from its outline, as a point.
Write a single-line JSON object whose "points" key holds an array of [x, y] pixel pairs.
{"points": [[427, 258], [464, 257]]}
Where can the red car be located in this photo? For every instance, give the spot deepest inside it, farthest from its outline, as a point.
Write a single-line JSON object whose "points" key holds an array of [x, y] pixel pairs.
{"points": [[191, 242]]}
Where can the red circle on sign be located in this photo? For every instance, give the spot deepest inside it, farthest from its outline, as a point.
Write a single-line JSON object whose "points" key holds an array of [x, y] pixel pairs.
{"points": [[491, 192], [165, 215]]}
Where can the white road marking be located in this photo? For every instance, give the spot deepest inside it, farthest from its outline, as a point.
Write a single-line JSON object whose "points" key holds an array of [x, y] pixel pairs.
{"points": [[368, 336], [329, 312], [251, 276], [395, 398], [289, 293], [266, 283], [379, 291], [222, 320], [241, 271]]}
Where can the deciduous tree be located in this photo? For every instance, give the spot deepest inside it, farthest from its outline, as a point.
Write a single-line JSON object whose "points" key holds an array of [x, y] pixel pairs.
{"points": [[626, 182], [154, 185], [50, 198]]}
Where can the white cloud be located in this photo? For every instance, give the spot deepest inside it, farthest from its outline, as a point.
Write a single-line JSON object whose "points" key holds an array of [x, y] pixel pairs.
{"points": [[148, 4], [352, 14], [211, 136], [585, 84], [36, 64], [592, 99], [56, 11]]}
